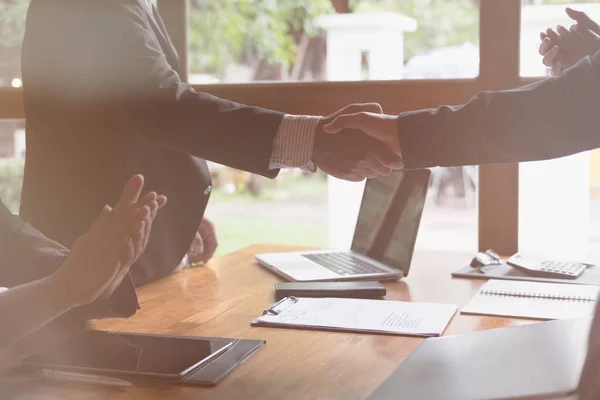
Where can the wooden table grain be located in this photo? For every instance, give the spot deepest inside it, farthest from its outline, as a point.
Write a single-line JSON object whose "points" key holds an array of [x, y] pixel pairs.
{"points": [[222, 298]]}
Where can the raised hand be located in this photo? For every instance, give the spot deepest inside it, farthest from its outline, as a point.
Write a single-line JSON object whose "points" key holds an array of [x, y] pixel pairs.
{"points": [[354, 155], [563, 48], [102, 257]]}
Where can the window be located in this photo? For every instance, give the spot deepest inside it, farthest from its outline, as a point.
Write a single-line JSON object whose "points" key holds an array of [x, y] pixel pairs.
{"points": [[247, 209], [539, 15], [449, 222], [396, 95], [559, 202], [12, 162], [235, 41], [12, 25], [12, 131]]}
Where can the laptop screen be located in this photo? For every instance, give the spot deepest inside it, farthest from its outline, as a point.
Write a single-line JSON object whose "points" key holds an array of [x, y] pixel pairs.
{"points": [[389, 217]]}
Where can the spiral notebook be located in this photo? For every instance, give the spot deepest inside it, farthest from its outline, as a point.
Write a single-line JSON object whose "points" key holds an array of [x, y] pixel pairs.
{"points": [[536, 300], [359, 315]]}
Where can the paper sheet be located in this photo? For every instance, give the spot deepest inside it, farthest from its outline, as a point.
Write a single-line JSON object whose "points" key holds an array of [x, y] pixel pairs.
{"points": [[395, 317], [538, 300]]}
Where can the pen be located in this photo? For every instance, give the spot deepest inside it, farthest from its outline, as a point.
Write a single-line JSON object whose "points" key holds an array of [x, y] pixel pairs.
{"points": [[84, 378]]}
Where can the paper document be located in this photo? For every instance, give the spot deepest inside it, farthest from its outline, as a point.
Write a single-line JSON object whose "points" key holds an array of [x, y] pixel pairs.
{"points": [[537, 300], [381, 316]]}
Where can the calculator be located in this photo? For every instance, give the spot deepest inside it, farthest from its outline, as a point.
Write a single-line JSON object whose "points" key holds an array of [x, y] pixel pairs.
{"points": [[543, 268]]}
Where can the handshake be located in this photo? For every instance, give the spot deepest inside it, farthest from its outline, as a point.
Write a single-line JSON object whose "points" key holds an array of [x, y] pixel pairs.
{"points": [[358, 142]]}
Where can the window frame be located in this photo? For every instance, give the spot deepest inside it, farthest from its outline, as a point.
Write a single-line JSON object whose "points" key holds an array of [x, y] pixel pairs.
{"points": [[499, 69]]}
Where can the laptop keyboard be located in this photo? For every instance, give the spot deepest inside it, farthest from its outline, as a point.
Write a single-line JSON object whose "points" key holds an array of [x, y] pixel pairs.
{"points": [[345, 263]]}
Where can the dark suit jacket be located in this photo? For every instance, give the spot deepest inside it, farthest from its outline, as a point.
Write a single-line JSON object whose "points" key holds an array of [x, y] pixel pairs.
{"points": [[27, 255], [103, 101], [552, 118]]}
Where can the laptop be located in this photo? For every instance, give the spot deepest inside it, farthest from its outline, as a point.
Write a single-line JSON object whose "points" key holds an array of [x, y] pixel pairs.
{"points": [[384, 237], [536, 361]]}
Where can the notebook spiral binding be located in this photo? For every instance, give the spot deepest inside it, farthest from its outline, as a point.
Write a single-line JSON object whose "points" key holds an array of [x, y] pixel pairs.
{"points": [[277, 308], [538, 296]]}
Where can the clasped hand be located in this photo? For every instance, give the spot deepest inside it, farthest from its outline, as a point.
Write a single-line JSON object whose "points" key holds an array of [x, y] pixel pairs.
{"points": [[562, 48], [358, 142]]}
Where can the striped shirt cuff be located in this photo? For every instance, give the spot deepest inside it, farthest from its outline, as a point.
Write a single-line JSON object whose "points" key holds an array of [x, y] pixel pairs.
{"points": [[293, 144]]}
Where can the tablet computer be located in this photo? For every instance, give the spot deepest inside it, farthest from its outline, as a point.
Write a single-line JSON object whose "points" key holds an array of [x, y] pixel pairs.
{"points": [[131, 353]]}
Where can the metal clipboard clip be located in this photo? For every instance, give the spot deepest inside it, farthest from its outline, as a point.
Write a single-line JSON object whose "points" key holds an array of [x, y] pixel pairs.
{"points": [[281, 305]]}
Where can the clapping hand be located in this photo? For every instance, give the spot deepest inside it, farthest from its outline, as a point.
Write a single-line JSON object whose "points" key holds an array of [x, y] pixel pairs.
{"points": [[563, 48], [101, 258]]}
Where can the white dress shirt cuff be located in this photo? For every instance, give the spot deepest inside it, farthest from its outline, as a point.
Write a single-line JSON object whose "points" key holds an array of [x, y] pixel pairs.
{"points": [[293, 144]]}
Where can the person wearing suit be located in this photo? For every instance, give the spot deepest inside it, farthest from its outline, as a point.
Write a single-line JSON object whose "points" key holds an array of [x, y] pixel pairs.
{"points": [[92, 280], [552, 118], [560, 50], [104, 100]]}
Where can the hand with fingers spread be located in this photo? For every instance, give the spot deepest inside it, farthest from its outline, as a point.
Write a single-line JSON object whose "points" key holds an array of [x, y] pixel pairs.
{"points": [[354, 155], [563, 48], [101, 258]]}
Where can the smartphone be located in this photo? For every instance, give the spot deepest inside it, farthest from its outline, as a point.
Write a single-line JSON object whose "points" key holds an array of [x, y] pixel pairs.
{"points": [[361, 290]]}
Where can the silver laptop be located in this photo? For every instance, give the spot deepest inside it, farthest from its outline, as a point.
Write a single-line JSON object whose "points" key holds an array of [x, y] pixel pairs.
{"points": [[384, 237]]}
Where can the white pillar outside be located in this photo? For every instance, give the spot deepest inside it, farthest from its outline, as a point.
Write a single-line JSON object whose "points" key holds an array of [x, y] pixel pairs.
{"points": [[360, 46], [554, 207]]}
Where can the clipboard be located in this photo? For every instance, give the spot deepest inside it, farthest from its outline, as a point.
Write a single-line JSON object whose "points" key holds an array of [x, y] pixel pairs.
{"points": [[358, 315]]}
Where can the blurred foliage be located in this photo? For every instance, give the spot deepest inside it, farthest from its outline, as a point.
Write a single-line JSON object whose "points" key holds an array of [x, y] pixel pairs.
{"points": [[248, 31], [440, 22], [12, 22], [11, 181]]}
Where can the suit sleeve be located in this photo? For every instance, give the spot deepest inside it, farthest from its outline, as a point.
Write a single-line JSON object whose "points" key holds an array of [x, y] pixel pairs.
{"points": [[130, 71], [27, 255], [552, 118]]}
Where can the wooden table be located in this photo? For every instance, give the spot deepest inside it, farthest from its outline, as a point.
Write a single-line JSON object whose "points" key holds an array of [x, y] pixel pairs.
{"points": [[221, 300]]}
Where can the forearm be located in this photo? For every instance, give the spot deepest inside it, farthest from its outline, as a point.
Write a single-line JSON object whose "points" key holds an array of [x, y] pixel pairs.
{"points": [[134, 76], [29, 256], [26, 308], [549, 119], [101, 61], [205, 126]]}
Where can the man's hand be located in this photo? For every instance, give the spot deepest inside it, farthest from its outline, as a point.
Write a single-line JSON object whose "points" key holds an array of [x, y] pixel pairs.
{"points": [[354, 155], [204, 245], [563, 48], [381, 127], [102, 257]]}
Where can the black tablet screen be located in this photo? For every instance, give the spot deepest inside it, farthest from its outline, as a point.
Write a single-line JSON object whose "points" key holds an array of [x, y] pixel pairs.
{"points": [[121, 352]]}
